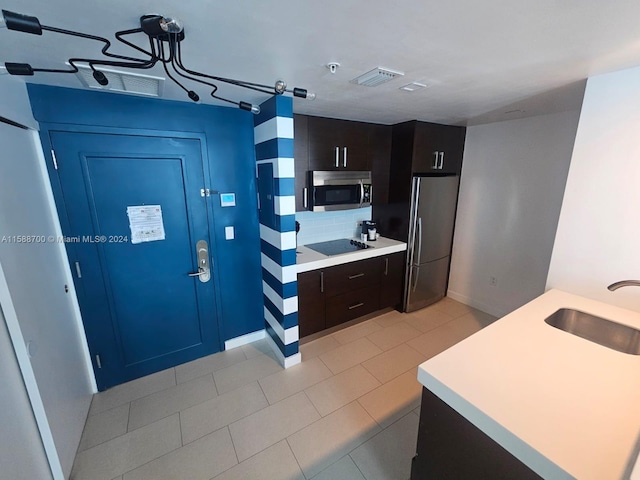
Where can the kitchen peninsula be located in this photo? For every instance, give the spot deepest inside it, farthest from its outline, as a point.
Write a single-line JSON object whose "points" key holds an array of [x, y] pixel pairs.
{"points": [[564, 406]]}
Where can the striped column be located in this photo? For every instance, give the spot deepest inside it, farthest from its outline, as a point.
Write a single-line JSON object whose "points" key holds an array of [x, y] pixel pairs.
{"points": [[273, 134]]}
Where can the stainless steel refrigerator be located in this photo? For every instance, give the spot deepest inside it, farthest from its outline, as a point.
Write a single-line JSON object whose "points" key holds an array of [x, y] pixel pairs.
{"points": [[432, 216]]}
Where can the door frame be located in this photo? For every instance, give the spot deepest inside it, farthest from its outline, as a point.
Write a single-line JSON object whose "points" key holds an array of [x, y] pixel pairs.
{"points": [[54, 181]]}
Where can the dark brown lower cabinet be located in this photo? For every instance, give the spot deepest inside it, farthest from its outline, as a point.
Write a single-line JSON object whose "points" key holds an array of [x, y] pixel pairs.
{"points": [[451, 447], [311, 304], [334, 295], [392, 280]]}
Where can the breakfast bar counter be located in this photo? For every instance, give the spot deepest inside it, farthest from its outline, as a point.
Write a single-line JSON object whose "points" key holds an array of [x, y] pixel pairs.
{"points": [[563, 405]]}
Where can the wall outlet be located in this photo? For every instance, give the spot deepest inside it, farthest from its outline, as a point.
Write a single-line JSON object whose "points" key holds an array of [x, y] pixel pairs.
{"points": [[493, 281]]}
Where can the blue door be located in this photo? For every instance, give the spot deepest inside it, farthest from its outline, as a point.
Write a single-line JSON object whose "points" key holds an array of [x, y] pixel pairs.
{"points": [[146, 305]]}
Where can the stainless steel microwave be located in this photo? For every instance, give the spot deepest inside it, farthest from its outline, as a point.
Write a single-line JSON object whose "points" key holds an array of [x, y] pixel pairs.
{"points": [[338, 190]]}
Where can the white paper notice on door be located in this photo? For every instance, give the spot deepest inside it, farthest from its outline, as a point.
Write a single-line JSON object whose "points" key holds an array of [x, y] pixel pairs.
{"points": [[145, 223]]}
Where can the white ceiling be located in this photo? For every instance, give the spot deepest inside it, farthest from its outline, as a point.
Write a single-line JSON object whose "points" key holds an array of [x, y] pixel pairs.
{"points": [[481, 59]]}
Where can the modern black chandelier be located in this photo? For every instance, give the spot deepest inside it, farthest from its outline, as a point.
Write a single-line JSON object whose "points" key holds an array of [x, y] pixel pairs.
{"points": [[165, 35]]}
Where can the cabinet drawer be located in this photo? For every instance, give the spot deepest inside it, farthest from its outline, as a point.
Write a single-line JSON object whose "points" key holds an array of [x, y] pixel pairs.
{"points": [[351, 276], [353, 304]]}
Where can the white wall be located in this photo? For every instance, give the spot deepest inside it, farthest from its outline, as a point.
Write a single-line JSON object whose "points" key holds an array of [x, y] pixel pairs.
{"points": [[36, 275], [513, 178], [598, 238], [22, 454]]}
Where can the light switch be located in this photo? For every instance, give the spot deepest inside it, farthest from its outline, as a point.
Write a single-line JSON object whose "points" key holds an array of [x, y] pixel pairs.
{"points": [[229, 233]]}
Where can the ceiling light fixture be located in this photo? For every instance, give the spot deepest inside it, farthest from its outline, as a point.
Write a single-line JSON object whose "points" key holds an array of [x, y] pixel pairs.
{"points": [[165, 35], [377, 76]]}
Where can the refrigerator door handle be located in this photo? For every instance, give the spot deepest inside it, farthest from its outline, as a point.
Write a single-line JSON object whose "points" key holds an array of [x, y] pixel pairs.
{"points": [[415, 277], [417, 262]]}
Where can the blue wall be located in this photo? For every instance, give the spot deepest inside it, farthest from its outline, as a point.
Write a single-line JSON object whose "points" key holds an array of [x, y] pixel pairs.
{"points": [[231, 156]]}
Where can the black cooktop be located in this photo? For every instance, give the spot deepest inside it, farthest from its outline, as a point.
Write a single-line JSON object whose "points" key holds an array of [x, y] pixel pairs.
{"points": [[337, 247]]}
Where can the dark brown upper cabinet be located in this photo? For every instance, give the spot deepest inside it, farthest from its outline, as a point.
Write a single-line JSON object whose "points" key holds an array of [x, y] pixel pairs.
{"points": [[338, 144], [301, 158], [380, 151], [322, 143], [437, 148], [423, 148]]}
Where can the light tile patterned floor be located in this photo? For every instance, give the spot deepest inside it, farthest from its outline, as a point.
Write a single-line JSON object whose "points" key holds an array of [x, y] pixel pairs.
{"points": [[349, 411]]}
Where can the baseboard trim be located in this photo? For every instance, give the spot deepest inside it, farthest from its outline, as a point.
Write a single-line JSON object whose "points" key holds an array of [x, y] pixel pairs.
{"points": [[485, 307], [244, 339], [286, 362]]}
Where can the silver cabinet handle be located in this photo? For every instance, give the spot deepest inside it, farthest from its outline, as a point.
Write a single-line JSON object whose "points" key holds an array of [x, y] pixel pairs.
{"points": [[441, 160], [386, 266], [78, 271], [358, 275], [321, 282], [337, 157], [356, 305], [435, 161], [344, 161], [305, 198]]}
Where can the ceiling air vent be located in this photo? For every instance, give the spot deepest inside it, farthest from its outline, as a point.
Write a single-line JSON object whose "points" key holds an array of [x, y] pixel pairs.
{"points": [[413, 86], [123, 82], [376, 77]]}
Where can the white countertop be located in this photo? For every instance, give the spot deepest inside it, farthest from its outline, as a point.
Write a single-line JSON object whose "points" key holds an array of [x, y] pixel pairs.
{"points": [[565, 406], [308, 259]]}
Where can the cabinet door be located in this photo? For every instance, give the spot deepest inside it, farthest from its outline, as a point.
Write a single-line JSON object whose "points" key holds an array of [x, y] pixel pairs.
{"points": [[392, 280], [301, 157], [355, 148], [451, 144], [380, 159], [438, 148], [426, 149], [311, 302], [326, 139]]}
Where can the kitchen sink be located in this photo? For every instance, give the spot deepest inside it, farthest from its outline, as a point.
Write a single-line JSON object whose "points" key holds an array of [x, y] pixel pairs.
{"points": [[599, 330]]}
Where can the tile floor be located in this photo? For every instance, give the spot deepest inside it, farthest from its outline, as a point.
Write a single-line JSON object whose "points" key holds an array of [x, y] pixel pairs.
{"points": [[349, 411]]}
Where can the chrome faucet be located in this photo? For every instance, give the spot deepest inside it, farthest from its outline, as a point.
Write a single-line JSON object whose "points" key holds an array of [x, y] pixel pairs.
{"points": [[624, 283]]}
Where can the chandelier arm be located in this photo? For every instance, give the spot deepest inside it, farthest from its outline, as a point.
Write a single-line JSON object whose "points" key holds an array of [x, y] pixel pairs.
{"points": [[192, 95], [173, 62], [110, 63], [219, 79], [122, 33], [107, 43]]}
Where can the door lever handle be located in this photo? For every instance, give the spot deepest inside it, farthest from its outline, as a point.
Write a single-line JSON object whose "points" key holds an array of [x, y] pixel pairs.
{"points": [[201, 271]]}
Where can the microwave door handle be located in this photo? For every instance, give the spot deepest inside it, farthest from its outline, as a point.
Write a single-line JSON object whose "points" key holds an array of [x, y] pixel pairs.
{"points": [[361, 193]]}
